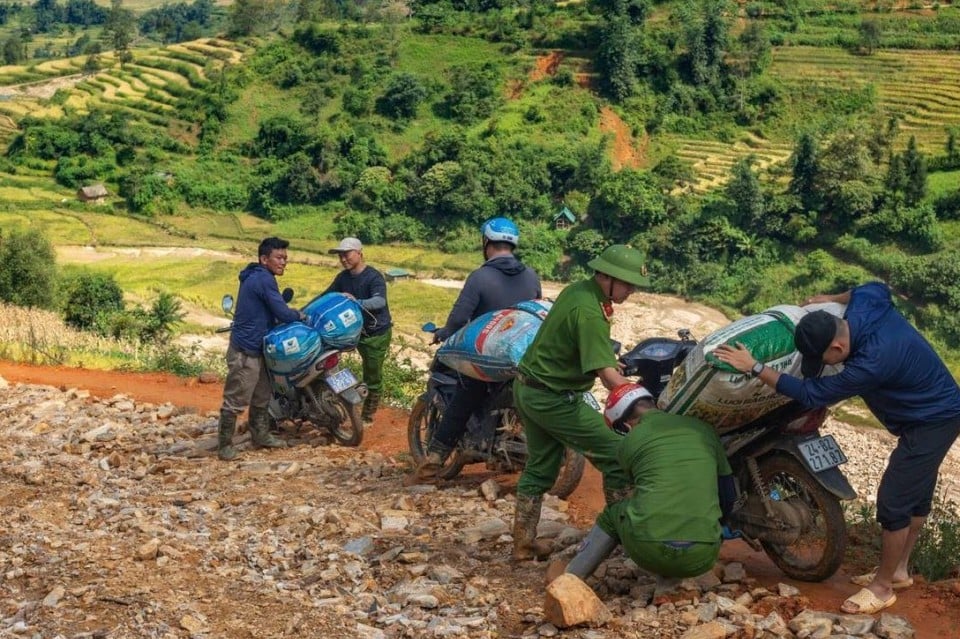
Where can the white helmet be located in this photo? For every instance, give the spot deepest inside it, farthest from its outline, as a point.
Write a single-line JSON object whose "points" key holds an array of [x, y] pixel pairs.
{"points": [[620, 404]]}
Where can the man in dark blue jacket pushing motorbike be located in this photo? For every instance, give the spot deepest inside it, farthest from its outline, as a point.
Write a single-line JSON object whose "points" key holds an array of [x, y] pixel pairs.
{"points": [[259, 308], [888, 363]]}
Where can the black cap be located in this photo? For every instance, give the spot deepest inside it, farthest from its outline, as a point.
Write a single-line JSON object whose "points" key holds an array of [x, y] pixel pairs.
{"points": [[813, 336]]}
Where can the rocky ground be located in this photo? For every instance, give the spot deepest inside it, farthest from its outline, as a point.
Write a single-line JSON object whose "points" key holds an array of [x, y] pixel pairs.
{"points": [[119, 522]]}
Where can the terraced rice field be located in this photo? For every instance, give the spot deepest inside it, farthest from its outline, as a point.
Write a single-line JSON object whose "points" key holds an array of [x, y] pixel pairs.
{"points": [[922, 87], [712, 160]]}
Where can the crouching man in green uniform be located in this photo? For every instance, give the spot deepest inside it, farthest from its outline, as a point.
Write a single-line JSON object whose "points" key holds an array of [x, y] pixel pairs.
{"points": [[571, 350], [682, 483]]}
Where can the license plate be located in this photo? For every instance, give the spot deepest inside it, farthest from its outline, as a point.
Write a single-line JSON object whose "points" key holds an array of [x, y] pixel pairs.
{"points": [[591, 401], [341, 380], [822, 453]]}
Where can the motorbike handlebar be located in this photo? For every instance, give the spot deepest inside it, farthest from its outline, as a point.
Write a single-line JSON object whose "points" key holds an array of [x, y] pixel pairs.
{"points": [[224, 329]]}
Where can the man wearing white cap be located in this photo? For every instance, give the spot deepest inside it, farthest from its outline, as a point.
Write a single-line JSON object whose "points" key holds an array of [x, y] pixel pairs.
{"points": [[366, 284], [682, 483]]}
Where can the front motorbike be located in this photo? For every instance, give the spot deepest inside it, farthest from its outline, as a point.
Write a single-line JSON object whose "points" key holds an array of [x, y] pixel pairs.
{"points": [[318, 390], [494, 432], [789, 483]]}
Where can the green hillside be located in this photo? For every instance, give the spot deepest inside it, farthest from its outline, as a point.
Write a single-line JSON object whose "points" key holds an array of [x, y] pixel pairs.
{"points": [[759, 152]]}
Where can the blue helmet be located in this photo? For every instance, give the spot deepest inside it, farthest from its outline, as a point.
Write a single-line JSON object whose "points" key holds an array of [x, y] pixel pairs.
{"points": [[500, 229]]}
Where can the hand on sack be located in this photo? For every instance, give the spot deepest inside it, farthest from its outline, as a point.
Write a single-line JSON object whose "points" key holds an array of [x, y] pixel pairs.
{"points": [[737, 356]]}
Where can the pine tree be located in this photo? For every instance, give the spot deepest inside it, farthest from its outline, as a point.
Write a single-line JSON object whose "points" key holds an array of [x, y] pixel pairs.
{"points": [[806, 167], [915, 169]]}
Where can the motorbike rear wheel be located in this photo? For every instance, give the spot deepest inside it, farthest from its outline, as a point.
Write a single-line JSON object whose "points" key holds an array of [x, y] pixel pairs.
{"points": [[816, 553], [348, 430]]}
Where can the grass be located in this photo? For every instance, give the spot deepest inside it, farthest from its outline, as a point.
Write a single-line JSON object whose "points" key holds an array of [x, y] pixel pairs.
{"points": [[942, 183]]}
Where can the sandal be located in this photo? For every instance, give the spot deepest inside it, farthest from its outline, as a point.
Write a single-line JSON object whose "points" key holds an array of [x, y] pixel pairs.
{"points": [[866, 603], [865, 579]]}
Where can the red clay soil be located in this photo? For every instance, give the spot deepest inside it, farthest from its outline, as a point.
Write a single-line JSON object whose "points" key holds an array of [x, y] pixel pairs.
{"points": [[546, 65], [626, 153], [933, 609]]}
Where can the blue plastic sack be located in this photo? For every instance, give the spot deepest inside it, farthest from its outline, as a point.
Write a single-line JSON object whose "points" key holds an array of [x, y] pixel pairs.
{"points": [[337, 318], [490, 347], [289, 349]]}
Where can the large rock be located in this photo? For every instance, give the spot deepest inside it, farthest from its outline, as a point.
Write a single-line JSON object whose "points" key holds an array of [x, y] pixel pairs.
{"points": [[571, 602]]}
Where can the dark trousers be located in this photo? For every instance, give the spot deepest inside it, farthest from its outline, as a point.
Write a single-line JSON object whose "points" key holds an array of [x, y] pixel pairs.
{"points": [[469, 395]]}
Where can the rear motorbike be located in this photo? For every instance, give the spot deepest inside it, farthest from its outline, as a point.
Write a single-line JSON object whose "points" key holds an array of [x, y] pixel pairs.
{"points": [[494, 433], [322, 393], [788, 480]]}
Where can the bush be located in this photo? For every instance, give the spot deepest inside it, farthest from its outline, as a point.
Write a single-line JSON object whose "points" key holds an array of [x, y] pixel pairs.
{"points": [[91, 296], [937, 553], [402, 96], [27, 269]]}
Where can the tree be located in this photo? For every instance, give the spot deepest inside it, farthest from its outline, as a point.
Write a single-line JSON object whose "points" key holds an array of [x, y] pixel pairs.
{"points": [[806, 167], [253, 17], [121, 28], [915, 171], [402, 95], [870, 31], [474, 92], [91, 298], [744, 191], [14, 51], [617, 58], [627, 203], [28, 271]]}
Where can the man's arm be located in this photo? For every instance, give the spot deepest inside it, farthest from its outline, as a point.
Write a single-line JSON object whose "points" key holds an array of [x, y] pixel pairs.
{"points": [[281, 312], [376, 293], [611, 378], [839, 298], [463, 309]]}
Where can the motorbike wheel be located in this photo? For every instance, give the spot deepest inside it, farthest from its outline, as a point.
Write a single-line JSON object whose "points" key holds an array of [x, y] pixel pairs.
{"points": [[350, 435], [818, 551], [424, 418], [571, 471]]}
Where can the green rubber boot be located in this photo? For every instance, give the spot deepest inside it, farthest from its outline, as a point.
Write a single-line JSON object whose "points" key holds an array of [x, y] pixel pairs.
{"points": [[260, 430], [228, 424]]}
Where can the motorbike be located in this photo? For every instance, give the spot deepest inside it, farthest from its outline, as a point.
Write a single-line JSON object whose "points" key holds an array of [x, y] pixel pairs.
{"points": [[325, 394], [494, 433], [787, 475]]}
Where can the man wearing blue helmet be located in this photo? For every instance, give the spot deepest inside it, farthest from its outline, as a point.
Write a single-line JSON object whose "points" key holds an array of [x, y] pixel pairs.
{"points": [[501, 281]]}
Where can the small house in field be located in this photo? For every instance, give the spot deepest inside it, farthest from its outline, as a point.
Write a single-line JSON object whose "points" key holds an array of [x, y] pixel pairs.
{"points": [[564, 218], [96, 193], [393, 274]]}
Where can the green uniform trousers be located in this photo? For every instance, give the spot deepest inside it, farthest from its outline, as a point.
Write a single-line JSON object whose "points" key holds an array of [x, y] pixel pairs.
{"points": [[373, 350], [666, 558], [555, 421]]}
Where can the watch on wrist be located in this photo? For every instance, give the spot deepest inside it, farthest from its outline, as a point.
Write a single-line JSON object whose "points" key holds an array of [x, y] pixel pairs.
{"points": [[756, 369]]}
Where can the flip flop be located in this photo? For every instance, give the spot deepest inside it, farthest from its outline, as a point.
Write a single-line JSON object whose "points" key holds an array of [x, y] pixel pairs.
{"points": [[865, 579], [866, 603]]}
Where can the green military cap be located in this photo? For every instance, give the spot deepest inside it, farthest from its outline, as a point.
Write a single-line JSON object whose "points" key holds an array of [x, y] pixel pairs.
{"points": [[622, 262]]}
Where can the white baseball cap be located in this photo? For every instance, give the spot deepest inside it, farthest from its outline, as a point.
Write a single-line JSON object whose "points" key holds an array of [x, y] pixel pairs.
{"points": [[347, 244], [620, 402]]}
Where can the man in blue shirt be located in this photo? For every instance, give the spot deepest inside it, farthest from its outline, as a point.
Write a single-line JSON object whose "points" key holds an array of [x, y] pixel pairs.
{"points": [[259, 308], [366, 285], [907, 387]]}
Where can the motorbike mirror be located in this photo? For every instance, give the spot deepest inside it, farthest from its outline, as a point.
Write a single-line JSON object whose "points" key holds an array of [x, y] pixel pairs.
{"points": [[227, 303], [287, 294], [616, 346], [429, 327]]}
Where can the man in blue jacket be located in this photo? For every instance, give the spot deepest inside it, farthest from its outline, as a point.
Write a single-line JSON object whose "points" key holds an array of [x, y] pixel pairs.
{"points": [[501, 281], [907, 387], [259, 308]]}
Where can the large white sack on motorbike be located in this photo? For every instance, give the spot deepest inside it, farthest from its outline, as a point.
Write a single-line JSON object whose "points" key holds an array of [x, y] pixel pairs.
{"points": [[490, 347], [338, 318], [290, 349], [715, 392]]}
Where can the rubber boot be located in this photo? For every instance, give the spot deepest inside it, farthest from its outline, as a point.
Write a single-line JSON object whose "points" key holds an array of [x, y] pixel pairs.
{"points": [[260, 430], [228, 425], [370, 405], [429, 467], [525, 520], [594, 548]]}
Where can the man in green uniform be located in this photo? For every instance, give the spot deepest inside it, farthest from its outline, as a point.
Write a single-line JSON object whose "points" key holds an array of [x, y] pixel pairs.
{"points": [[570, 351], [682, 484]]}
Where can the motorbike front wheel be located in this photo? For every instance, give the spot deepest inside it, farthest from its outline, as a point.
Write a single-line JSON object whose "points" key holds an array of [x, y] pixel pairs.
{"points": [[817, 551], [424, 419]]}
